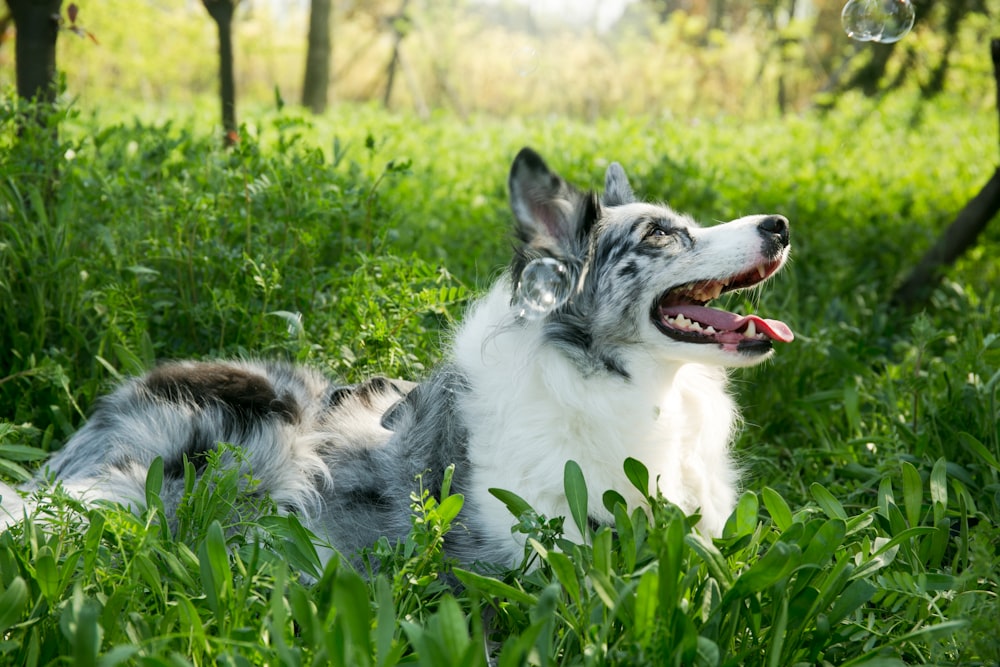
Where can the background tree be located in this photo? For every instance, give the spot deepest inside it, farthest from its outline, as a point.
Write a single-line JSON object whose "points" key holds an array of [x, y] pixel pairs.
{"points": [[961, 234], [222, 12], [869, 77], [37, 25], [316, 85]]}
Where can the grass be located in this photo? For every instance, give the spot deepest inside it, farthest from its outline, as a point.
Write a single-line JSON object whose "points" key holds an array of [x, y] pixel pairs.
{"points": [[868, 531]]}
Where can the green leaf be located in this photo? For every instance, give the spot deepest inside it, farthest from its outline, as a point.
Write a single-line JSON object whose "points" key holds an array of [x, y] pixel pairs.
{"points": [[385, 624], [776, 506], [713, 559], [647, 604], [672, 551], [611, 499], [515, 503], [601, 550], [575, 487], [302, 541], [604, 588], [15, 471], [350, 599], [450, 629], [777, 632], [450, 507], [13, 601], [824, 543], [637, 474], [118, 655], [939, 488], [744, 518], [565, 572], [626, 536], [851, 409], [154, 483], [850, 599], [214, 563], [827, 502], [92, 540], [494, 587], [127, 360], [913, 493], [972, 443], [47, 574], [776, 564], [79, 624], [22, 453]]}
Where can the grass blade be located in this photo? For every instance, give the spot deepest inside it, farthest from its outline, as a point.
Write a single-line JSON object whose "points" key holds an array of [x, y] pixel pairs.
{"points": [[575, 487]]}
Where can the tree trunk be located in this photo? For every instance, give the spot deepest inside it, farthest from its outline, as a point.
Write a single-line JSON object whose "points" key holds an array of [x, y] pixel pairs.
{"points": [[399, 28], [317, 80], [961, 234], [222, 12], [37, 25]]}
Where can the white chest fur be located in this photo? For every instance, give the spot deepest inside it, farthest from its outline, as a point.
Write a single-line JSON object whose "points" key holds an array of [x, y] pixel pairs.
{"points": [[530, 410]]}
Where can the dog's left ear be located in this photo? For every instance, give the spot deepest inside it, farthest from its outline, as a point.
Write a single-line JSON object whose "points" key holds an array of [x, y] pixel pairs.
{"points": [[550, 212], [617, 190]]}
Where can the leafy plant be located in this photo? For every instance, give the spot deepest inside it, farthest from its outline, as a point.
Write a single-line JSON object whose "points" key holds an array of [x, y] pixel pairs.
{"points": [[868, 534]]}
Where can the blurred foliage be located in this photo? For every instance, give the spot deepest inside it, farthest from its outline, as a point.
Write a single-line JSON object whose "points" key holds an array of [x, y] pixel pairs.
{"points": [[354, 241], [751, 59]]}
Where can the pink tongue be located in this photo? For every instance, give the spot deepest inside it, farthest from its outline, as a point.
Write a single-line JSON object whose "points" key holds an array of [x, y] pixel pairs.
{"points": [[722, 320]]}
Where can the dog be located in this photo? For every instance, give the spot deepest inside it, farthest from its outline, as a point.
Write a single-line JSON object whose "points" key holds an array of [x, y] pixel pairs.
{"points": [[633, 364]]}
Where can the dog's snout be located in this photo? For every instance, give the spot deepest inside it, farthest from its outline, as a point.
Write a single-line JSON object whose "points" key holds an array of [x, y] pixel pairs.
{"points": [[776, 226]]}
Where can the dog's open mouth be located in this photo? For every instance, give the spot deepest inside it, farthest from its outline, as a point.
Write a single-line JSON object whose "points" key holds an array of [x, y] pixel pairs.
{"points": [[681, 314]]}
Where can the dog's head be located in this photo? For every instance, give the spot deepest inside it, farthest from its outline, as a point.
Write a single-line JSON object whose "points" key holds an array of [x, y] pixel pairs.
{"points": [[643, 274]]}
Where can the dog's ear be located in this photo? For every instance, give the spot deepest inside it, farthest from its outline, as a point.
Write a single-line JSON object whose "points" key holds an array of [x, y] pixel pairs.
{"points": [[547, 208], [617, 190]]}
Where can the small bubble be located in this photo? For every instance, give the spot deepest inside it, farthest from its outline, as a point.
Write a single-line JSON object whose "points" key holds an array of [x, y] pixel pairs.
{"points": [[525, 60], [884, 21], [545, 285]]}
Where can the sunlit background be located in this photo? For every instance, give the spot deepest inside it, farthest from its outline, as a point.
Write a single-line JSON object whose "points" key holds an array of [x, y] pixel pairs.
{"points": [[585, 58]]}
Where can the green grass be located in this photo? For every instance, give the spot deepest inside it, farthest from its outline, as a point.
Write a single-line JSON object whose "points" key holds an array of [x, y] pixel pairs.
{"points": [[868, 531]]}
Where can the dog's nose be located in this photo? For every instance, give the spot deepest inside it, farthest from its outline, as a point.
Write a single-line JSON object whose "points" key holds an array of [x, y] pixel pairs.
{"points": [[776, 225]]}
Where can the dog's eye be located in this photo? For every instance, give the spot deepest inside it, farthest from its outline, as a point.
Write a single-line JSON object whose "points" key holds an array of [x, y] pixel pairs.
{"points": [[658, 232]]}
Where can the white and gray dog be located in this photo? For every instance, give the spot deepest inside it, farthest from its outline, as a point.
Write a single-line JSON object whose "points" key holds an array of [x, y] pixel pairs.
{"points": [[632, 365]]}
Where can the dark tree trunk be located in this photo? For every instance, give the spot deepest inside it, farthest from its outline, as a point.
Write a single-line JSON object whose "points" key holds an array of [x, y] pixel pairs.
{"points": [[222, 12], [37, 25], [960, 234], [399, 25], [317, 79]]}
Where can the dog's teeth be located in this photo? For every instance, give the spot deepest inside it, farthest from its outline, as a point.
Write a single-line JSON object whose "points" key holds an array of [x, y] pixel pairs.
{"points": [[761, 270], [695, 326], [751, 330], [709, 329]]}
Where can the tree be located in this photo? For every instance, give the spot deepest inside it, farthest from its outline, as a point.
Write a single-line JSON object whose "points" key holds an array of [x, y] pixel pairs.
{"points": [[222, 12], [961, 234], [37, 24], [868, 78], [317, 78]]}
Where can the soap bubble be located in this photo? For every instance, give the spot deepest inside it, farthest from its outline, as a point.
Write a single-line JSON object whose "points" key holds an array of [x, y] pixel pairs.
{"points": [[884, 21], [525, 60], [545, 285], [899, 20]]}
